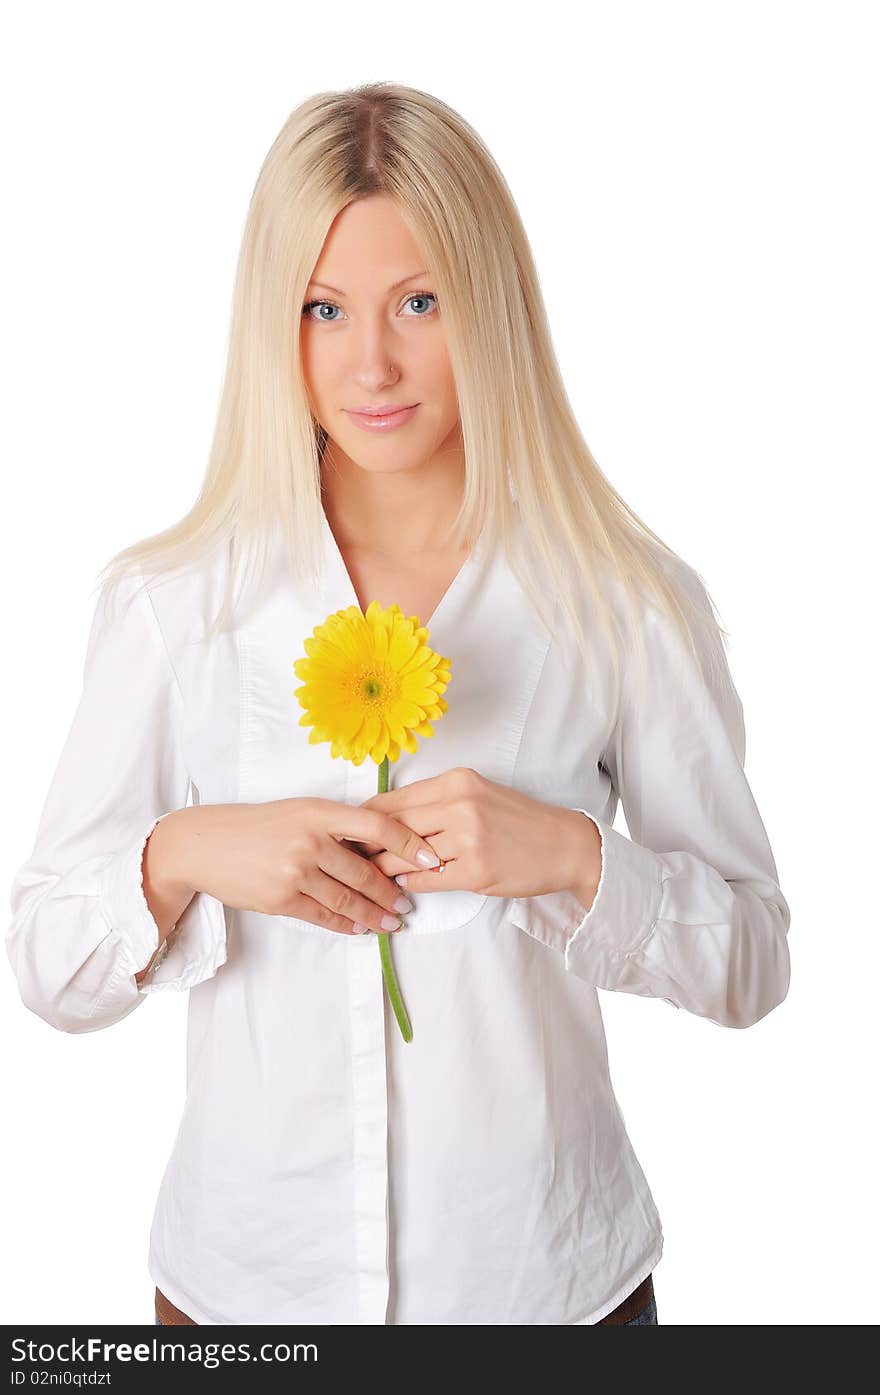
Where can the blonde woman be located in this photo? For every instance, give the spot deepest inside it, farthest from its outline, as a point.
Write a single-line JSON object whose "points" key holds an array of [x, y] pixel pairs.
{"points": [[393, 427]]}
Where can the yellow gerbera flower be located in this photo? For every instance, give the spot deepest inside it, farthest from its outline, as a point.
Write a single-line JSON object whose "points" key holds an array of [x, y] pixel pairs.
{"points": [[372, 684]]}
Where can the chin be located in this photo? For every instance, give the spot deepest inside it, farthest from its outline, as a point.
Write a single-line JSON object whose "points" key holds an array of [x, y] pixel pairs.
{"points": [[389, 463]]}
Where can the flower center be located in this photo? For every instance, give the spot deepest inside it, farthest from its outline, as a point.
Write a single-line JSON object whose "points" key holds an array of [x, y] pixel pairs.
{"points": [[379, 686]]}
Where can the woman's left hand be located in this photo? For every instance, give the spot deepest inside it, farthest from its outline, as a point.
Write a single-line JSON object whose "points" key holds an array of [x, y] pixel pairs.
{"points": [[492, 839]]}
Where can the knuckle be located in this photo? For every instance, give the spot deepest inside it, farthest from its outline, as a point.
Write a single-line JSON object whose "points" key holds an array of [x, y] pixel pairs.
{"points": [[294, 878], [300, 906], [302, 856], [411, 845], [377, 889], [467, 778], [473, 837], [344, 902], [323, 914], [363, 873]]}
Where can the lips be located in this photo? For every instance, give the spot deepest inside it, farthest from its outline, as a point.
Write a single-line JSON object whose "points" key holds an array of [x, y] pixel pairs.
{"points": [[383, 419]]}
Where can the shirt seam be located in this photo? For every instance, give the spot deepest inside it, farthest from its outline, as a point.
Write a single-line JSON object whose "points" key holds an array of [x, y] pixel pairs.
{"points": [[158, 628], [534, 698]]}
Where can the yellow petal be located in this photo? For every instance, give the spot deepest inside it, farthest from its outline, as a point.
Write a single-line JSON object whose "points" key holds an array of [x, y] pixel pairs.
{"points": [[370, 683]]}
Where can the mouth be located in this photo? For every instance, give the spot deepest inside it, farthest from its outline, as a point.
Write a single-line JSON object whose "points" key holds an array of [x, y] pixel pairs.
{"points": [[381, 418], [381, 411]]}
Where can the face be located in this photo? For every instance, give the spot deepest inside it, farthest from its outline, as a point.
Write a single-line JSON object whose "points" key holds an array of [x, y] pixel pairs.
{"points": [[377, 340]]}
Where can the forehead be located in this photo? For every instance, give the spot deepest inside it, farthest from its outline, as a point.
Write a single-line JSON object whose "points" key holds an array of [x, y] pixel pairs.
{"points": [[369, 245]]}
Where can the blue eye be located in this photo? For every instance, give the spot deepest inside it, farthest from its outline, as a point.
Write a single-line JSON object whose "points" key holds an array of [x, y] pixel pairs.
{"points": [[324, 319], [421, 295], [313, 304]]}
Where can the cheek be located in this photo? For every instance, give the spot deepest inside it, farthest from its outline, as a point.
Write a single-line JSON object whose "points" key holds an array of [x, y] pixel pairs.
{"points": [[437, 371], [451, 407], [306, 361], [318, 363]]}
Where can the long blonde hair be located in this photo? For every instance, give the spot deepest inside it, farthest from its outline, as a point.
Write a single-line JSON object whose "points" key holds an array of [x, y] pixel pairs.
{"points": [[520, 435]]}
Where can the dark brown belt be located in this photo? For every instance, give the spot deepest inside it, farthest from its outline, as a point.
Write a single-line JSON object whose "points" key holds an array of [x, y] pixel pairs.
{"points": [[170, 1316], [631, 1306]]}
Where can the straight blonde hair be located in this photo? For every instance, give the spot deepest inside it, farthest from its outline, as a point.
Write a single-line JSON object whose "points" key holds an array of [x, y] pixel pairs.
{"points": [[520, 435]]}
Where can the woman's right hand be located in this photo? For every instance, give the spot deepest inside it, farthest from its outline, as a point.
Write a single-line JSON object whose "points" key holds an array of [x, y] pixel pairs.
{"points": [[286, 857]]}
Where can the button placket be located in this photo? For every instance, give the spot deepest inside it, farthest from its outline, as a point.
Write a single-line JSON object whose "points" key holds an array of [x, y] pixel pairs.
{"points": [[370, 1110]]}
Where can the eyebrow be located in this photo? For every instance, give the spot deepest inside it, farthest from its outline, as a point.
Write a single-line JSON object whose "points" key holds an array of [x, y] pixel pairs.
{"points": [[325, 287]]}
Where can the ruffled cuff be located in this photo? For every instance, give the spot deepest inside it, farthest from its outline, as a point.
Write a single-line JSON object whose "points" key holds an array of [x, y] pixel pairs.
{"points": [[623, 914], [194, 948]]}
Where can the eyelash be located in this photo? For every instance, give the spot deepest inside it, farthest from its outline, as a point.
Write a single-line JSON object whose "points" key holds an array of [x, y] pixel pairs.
{"points": [[413, 295]]}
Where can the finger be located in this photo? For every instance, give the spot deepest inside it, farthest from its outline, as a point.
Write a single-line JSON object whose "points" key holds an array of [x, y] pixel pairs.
{"points": [[449, 877], [427, 820], [352, 887], [370, 826], [307, 908], [391, 864], [364, 848], [404, 796], [412, 839]]}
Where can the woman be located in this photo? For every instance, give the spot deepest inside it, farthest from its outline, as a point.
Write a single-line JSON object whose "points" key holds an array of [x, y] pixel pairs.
{"points": [[327, 1168]]}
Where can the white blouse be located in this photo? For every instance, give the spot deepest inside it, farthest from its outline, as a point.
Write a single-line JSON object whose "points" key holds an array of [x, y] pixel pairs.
{"points": [[325, 1170]]}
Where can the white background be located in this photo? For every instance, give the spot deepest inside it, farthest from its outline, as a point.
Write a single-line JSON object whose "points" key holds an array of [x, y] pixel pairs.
{"points": [[699, 185]]}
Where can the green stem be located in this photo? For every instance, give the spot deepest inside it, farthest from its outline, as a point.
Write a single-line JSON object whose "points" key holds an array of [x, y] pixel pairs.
{"points": [[384, 938]]}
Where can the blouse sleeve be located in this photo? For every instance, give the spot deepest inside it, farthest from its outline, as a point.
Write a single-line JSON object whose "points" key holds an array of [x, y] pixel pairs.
{"points": [[81, 926], [689, 908]]}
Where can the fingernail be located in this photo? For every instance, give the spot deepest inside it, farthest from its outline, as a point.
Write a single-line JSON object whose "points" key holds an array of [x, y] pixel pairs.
{"points": [[359, 929], [427, 859], [401, 879], [403, 903], [390, 922]]}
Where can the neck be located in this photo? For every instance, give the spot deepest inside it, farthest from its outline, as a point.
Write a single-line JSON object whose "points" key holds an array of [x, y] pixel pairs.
{"points": [[393, 511]]}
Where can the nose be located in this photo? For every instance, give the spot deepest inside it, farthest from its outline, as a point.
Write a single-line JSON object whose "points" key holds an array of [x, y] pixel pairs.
{"points": [[377, 352]]}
